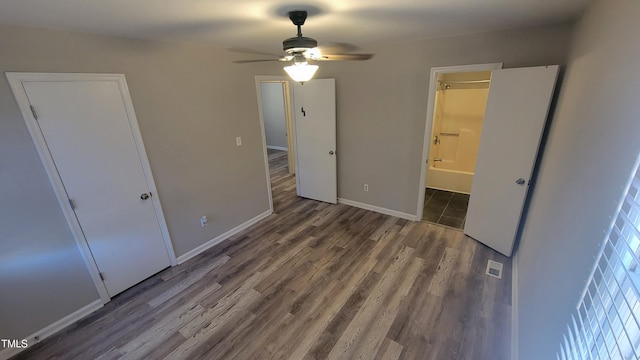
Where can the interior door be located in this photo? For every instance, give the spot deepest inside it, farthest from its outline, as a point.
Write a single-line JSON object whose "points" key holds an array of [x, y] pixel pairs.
{"points": [[517, 109], [315, 128], [87, 131]]}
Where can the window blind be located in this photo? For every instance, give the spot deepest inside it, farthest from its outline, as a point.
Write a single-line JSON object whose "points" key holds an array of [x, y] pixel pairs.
{"points": [[606, 322]]}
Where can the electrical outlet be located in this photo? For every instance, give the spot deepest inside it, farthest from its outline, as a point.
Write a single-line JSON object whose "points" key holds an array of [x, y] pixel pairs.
{"points": [[365, 187], [238, 141], [204, 221]]}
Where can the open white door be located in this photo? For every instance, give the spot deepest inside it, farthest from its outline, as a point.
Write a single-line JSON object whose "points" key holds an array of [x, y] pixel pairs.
{"points": [[517, 109], [315, 140]]}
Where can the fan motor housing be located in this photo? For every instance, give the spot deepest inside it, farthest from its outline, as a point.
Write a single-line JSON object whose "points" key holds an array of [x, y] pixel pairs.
{"points": [[298, 43]]}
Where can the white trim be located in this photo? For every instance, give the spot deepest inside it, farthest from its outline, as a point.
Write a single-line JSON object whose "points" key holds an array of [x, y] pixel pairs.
{"points": [[222, 237], [53, 328], [15, 81], [378, 209], [433, 83], [514, 307], [277, 147]]}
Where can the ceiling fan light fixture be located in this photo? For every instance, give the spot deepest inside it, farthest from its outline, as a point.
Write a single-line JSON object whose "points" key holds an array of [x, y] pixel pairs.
{"points": [[301, 71], [301, 48], [312, 53]]}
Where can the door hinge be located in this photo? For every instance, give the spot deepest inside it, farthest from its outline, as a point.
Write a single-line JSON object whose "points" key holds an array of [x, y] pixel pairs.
{"points": [[33, 111], [73, 206], [102, 276]]}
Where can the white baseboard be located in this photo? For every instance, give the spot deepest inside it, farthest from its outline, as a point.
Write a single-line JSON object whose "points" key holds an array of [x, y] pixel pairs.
{"points": [[220, 238], [53, 328], [378, 209], [277, 147], [514, 307]]}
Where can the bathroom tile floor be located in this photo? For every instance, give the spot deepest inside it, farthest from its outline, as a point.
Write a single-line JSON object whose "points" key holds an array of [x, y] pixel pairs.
{"points": [[445, 208]]}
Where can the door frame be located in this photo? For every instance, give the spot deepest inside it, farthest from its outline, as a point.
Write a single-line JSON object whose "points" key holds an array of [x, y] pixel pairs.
{"points": [[428, 127], [15, 81], [290, 126]]}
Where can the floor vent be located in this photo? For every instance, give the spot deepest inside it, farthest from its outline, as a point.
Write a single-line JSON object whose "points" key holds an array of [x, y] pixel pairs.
{"points": [[494, 269]]}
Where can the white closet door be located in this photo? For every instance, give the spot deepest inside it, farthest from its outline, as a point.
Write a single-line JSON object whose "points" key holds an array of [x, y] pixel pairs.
{"points": [[89, 136]]}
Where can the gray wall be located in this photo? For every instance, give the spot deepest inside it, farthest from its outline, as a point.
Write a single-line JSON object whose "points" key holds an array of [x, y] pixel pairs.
{"points": [[273, 114], [592, 145], [38, 257], [191, 103], [382, 105]]}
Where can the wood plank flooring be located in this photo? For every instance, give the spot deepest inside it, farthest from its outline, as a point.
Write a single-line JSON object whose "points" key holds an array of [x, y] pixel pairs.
{"points": [[313, 281]]}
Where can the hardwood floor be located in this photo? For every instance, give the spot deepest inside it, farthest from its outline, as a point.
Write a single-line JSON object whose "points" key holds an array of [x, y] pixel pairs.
{"points": [[312, 281]]}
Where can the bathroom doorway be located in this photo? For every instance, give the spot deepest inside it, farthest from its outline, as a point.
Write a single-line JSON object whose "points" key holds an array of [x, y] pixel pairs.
{"points": [[459, 104], [274, 105]]}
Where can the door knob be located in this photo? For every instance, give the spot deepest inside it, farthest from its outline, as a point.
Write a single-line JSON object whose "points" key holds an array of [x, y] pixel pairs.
{"points": [[331, 152], [144, 196], [520, 181]]}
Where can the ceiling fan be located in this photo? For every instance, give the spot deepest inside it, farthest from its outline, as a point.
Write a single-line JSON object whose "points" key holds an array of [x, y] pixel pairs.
{"points": [[300, 49]]}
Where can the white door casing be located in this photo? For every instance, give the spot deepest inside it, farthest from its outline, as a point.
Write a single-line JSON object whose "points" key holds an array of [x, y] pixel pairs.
{"points": [[315, 141], [517, 110], [88, 138]]}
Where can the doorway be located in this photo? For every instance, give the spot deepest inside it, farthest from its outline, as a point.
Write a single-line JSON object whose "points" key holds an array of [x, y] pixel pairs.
{"points": [[274, 100], [274, 106], [460, 104], [311, 134], [453, 127], [516, 112]]}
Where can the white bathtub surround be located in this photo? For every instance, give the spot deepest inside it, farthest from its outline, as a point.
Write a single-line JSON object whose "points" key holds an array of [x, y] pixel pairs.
{"points": [[449, 180], [459, 107]]}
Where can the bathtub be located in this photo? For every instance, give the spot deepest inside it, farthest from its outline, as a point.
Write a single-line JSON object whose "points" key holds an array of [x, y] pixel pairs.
{"points": [[449, 180]]}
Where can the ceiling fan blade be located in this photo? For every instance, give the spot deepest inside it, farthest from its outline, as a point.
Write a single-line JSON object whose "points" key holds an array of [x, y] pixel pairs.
{"points": [[343, 57], [256, 60], [250, 51], [337, 48]]}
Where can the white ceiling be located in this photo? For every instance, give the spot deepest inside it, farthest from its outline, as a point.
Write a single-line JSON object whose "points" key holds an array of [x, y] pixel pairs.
{"points": [[263, 24]]}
